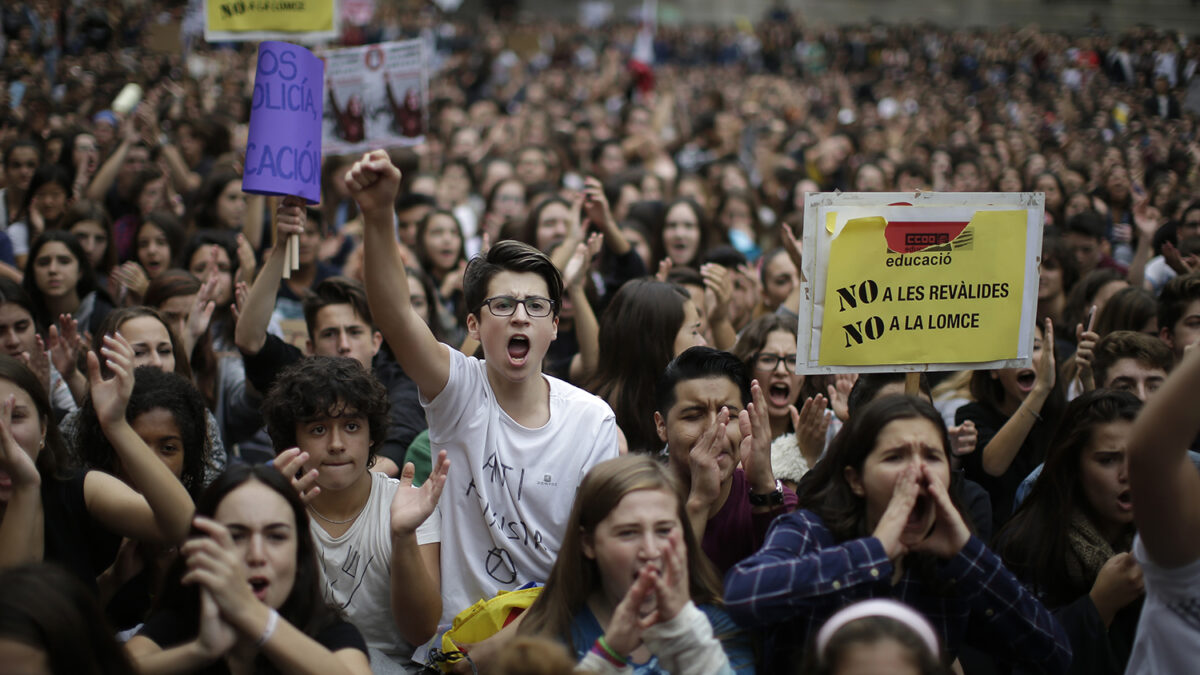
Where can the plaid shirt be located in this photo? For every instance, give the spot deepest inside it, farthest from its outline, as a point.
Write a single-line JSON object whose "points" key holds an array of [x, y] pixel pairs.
{"points": [[801, 576]]}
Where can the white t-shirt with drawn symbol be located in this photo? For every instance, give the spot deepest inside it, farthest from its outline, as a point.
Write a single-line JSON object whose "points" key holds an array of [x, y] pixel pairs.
{"points": [[510, 488]]}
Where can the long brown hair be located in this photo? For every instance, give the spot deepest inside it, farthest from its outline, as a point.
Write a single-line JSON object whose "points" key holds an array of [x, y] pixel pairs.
{"points": [[575, 576]]}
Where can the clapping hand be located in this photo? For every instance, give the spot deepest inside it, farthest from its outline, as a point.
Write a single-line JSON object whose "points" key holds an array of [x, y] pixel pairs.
{"points": [[109, 397], [411, 507]]}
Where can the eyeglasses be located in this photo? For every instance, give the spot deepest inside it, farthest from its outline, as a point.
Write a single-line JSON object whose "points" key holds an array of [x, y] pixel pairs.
{"points": [[535, 306], [770, 362]]}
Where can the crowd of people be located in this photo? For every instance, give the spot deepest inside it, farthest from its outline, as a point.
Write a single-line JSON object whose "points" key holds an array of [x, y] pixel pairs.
{"points": [[541, 366]]}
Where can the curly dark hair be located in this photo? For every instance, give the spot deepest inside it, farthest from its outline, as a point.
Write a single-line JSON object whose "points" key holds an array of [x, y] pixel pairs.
{"points": [[318, 386], [152, 389]]}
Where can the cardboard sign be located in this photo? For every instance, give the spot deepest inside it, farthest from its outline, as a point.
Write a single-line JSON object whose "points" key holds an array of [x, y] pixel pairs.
{"points": [[296, 20], [903, 282], [378, 97], [283, 151]]}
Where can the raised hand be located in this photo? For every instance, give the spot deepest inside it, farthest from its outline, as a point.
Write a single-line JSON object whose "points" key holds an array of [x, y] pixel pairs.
{"points": [[109, 397], [595, 243], [839, 394], [241, 295], [624, 631], [201, 311], [131, 275], [1175, 260], [14, 460], [671, 591], [290, 463], [576, 270], [247, 265], [718, 289], [664, 268], [1046, 374], [963, 438], [373, 182], [793, 245], [290, 218], [38, 362], [891, 524], [949, 533], [216, 637], [1086, 340], [595, 204], [702, 462], [64, 346], [811, 424], [755, 425], [410, 507]]}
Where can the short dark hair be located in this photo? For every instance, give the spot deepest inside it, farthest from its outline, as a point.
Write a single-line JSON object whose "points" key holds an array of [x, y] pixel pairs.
{"points": [[1127, 344], [509, 256], [697, 363], [725, 256], [317, 386], [51, 610], [11, 291], [1130, 308], [683, 275], [335, 291], [868, 385], [411, 200], [1057, 255], [1088, 224], [1175, 298]]}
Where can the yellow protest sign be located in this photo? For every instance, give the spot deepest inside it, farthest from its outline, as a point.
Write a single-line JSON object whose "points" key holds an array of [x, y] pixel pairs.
{"points": [[939, 283], [297, 20]]}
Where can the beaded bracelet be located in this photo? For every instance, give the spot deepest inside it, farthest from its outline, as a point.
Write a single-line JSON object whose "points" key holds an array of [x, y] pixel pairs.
{"points": [[601, 648]]}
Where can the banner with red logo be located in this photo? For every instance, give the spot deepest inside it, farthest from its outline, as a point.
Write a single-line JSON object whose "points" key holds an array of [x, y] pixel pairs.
{"points": [[932, 281]]}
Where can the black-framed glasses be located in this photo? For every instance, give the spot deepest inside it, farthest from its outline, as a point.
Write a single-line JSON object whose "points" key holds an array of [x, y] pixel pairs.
{"points": [[768, 362], [536, 306]]}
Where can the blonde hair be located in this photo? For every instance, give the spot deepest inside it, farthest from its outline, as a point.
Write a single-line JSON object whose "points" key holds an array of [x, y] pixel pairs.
{"points": [[575, 576]]}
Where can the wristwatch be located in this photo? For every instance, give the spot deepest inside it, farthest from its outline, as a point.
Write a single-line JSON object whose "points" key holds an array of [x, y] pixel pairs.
{"points": [[773, 498]]}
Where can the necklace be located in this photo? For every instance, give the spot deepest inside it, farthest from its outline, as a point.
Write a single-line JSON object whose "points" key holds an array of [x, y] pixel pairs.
{"points": [[336, 522]]}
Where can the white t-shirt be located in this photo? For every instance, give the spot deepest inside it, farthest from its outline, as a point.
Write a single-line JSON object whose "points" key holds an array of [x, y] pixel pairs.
{"points": [[510, 488], [1168, 632], [356, 569]]}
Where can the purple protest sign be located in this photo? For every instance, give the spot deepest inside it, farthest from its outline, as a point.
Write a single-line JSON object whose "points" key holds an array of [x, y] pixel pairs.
{"points": [[283, 152]]}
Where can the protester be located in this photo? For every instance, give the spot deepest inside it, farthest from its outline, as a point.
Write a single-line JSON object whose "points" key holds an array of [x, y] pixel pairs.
{"points": [[604, 129], [631, 586], [247, 592], [888, 474]]}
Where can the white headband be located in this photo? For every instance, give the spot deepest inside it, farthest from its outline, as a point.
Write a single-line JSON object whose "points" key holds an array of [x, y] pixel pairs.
{"points": [[878, 607]]}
